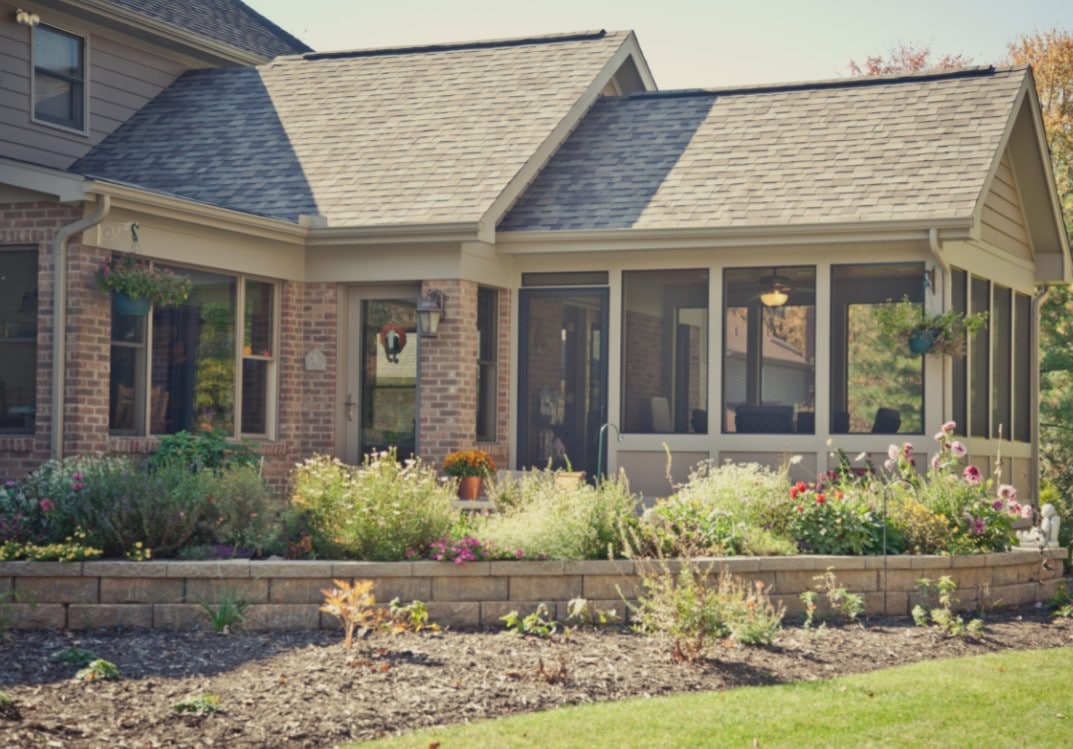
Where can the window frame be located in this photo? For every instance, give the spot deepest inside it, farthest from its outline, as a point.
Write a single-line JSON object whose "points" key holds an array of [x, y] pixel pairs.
{"points": [[80, 126], [143, 378], [487, 415]]}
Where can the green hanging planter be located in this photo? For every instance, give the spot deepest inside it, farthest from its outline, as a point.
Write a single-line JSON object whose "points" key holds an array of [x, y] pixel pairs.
{"points": [[921, 341], [127, 305]]}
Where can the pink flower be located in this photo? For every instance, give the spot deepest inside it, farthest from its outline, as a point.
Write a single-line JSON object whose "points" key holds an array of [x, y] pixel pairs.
{"points": [[949, 427], [907, 450], [971, 474], [940, 437], [893, 452], [46, 505], [958, 449], [1007, 492], [979, 525], [1026, 512], [889, 464], [997, 505], [935, 462]]}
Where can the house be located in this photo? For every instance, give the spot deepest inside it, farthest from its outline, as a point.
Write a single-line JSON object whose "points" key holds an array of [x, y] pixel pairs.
{"points": [[518, 244]]}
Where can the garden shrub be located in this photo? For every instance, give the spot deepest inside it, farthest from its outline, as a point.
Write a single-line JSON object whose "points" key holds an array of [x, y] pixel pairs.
{"points": [[549, 522], [696, 607], [827, 520], [209, 449], [727, 509], [379, 511]]}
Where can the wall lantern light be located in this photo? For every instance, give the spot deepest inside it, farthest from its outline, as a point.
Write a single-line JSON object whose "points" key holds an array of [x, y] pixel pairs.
{"points": [[430, 312], [774, 290], [26, 18]]}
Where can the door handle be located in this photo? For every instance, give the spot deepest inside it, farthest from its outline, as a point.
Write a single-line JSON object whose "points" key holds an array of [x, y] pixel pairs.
{"points": [[348, 407]]}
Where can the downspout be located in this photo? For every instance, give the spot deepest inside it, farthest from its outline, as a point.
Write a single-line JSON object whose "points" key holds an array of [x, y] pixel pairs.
{"points": [[58, 245]]}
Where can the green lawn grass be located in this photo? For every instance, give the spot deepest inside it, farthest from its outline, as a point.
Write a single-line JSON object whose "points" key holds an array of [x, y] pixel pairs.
{"points": [[1014, 699]]}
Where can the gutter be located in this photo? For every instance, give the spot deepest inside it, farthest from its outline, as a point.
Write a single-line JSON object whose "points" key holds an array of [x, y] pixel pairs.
{"points": [[58, 246]]}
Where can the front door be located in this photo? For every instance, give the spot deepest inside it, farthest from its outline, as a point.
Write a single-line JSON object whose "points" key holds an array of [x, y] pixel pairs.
{"points": [[563, 378], [380, 407]]}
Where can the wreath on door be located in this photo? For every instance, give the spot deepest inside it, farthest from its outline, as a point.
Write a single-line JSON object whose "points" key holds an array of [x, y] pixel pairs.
{"points": [[393, 339]]}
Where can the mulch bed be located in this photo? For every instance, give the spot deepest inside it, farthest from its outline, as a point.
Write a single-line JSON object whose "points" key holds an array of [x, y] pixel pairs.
{"points": [[302, 689]]}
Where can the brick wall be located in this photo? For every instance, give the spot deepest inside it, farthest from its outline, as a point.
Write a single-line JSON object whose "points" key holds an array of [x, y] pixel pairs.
{"points": [[447, 396]]}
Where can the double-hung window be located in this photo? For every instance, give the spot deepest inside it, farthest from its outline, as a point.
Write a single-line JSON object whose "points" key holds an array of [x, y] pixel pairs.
{"points": [[59, 85], [208, 363]]}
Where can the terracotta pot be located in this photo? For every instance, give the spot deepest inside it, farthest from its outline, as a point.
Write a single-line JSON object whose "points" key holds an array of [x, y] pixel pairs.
{"points": [[469, 487]]}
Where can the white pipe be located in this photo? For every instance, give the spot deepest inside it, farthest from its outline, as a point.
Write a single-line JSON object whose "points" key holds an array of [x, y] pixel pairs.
{"points": [[59, 314]]}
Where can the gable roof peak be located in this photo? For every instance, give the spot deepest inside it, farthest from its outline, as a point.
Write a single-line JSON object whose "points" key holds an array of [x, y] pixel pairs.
{"points": [[578, 36]]}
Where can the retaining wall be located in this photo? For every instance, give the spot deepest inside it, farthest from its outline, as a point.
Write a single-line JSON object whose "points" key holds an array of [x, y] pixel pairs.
{"points": [[287, 594]]}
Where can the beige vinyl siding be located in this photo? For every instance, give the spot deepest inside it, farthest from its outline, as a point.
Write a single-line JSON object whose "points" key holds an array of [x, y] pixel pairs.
{"points": [[1003, 221], [121, 79]]}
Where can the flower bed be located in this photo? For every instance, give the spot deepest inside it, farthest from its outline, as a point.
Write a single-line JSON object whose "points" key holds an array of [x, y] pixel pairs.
{"points": [[286, 595]]}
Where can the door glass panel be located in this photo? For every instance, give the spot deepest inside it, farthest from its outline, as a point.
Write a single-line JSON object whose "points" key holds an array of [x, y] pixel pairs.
{"points": [[563, 378], [388, 400]]}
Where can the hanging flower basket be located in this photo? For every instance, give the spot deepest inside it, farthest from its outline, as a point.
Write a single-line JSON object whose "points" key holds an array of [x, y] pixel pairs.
{"points": [[927, 332], [142, 282]]}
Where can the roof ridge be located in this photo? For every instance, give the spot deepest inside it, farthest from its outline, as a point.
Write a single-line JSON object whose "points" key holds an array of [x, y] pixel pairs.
{"points": [[456, 46], [976, 71]]}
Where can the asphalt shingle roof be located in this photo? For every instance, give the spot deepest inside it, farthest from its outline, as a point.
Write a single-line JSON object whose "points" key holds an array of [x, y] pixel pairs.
{"points": [[229, 21], [846, 151], [364, 139]]}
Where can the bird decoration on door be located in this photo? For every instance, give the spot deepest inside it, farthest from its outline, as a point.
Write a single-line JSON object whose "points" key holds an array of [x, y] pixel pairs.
{"points": [[393, 339]]}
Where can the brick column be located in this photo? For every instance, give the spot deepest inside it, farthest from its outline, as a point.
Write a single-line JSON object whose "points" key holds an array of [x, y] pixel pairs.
{"points": [[447, 393]]}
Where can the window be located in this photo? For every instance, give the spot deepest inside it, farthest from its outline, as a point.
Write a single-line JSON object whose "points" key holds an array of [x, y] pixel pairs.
{"points": [[59, 77], [665, 352], [874, 388], [18, 340], [487, 371], [1023, 326], [980, 361], [769, 353], [959, 302], [1001, 324], [182, 368]]}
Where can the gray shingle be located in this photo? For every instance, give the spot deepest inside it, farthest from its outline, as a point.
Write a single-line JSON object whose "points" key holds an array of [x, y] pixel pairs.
{"points": [[364, 140], [916, 148], [229, 21]]}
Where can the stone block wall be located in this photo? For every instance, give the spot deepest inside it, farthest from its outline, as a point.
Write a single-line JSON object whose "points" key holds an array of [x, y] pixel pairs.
{"points": [[286, 595]]}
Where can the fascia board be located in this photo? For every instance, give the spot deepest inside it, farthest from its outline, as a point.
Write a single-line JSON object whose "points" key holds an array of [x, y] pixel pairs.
{"points": [[133, 199], [619, 240], [455, 232], [64, 186]]}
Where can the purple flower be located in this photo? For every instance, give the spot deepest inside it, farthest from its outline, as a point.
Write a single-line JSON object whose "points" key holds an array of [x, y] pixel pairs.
{"points": [[971, 474], [997, 505], [9, 484], [46, 505], [77, 476], [78, 486], [979, 525]]}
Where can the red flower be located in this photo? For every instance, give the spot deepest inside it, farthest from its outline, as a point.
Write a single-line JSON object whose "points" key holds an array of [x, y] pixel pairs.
{"points": [[800, 508], [793, 492], [820, 499], [801, 486]]}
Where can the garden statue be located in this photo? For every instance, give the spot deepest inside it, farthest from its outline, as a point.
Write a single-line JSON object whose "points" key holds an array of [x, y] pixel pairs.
{"points": [[1046, 534]]}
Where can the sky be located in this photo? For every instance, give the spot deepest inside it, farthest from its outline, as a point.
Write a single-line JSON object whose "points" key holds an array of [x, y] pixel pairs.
{"points": [[691, 43]]}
